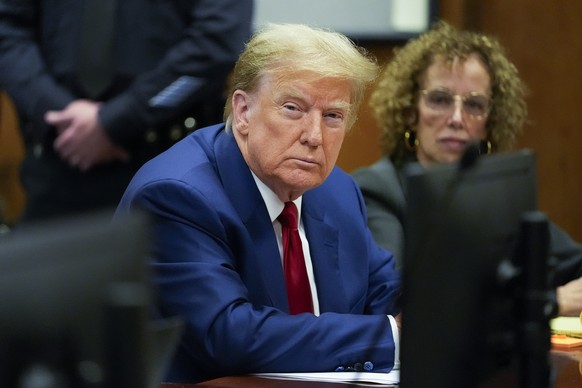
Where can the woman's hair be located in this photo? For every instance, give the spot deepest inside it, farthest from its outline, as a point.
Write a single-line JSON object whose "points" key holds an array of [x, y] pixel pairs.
{"points": [[283, 50], [395, 97]]}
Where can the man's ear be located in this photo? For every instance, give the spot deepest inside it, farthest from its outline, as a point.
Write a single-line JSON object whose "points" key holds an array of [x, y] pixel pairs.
{"points": [[240, 111]]}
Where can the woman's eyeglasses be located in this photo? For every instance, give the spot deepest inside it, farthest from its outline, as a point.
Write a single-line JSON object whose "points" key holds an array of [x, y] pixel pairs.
{"points": [[476, 105]]}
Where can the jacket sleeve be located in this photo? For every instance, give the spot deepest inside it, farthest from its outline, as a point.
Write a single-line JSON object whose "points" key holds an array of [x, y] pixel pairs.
{"points": [[566, 254], [23, 71], [385, 204], [199, 63]]}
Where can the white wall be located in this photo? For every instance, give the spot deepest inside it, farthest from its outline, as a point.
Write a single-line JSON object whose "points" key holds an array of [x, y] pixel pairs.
{"points": [[375, 19]]}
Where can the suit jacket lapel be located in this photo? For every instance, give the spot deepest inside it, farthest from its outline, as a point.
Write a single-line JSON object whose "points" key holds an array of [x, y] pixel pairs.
{"points": [[323, 245], [267, 277]]}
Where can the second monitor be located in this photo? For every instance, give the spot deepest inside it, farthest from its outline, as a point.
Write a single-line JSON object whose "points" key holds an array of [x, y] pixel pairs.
{"points": [[463, 225]]}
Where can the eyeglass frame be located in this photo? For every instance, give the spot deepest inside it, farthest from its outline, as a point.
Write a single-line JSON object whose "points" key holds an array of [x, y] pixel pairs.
{"points": [[462, 98]]}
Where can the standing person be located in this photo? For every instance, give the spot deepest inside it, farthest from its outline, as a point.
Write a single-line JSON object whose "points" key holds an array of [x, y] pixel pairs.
{"points": [[441, 92], [220, 248], [101, 86]]}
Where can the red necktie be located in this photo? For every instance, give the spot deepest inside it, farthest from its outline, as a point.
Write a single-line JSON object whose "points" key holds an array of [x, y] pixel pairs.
{"points": [[298, 290]]}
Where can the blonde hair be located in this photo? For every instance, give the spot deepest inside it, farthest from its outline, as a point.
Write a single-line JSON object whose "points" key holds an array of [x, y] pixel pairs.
{"points": [[283, 50], [395, 96]]}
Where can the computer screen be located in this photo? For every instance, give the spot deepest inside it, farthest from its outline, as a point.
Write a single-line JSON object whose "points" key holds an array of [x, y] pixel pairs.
{"points": [[463, 221], [74, 303]]}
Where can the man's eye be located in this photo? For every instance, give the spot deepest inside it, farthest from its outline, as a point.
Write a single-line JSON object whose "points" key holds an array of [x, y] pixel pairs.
{"points": [[334, 115]]}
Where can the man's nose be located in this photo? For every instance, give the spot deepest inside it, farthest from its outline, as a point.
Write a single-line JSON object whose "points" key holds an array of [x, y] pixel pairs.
{"points": [[313, 131]]}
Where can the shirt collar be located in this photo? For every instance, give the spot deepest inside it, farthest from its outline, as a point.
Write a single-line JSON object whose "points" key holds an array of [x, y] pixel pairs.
{"points": [[274, 204]]}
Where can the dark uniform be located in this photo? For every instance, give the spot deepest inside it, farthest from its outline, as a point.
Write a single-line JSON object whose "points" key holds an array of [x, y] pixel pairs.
{"points": [[171, 60]]}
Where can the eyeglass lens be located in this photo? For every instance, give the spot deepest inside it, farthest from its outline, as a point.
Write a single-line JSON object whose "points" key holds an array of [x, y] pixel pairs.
{"points": [[473, 103]]}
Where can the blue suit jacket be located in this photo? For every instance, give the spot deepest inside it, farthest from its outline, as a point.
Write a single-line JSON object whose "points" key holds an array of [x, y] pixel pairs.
{"points": [[217, 264]]}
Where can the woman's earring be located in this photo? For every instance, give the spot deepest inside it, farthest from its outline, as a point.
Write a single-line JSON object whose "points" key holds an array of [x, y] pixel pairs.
{"points": [[410, 141], [485, 147]]}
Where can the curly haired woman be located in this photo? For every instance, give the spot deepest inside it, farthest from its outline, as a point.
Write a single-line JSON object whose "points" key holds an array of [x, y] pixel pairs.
{"points": [[442, 92]]}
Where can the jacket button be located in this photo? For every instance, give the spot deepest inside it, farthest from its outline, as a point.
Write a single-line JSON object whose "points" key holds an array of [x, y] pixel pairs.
{"points": [[151, 136], [175, 133], [38, 150], [190, 123], [368, 366]]}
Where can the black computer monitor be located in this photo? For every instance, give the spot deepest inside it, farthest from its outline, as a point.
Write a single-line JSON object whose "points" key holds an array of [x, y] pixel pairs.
{"points": [[460, 317], [75, 303]]}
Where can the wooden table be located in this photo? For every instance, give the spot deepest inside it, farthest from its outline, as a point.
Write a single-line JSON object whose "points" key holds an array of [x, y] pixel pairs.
{"points": [[567, 367]]}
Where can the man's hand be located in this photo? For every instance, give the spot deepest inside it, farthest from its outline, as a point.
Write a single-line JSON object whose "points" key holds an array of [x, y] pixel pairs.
{"points": [[81, 140], [570, 298]]}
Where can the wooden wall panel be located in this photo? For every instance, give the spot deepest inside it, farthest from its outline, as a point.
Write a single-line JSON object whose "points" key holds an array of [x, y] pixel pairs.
{"points": [[361, 146], [11, 154]]}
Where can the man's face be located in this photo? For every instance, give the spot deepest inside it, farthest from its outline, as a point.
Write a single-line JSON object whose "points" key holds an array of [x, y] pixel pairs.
{"points": [[290, 132]]}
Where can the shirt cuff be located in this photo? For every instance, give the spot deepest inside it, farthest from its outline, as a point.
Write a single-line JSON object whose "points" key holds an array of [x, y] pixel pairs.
{"points": [[396, 337]]}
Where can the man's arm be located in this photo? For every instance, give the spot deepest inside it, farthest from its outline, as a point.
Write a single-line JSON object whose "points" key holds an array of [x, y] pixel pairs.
{"points": [[385, 203], [569, 298], [566, 254], [81, 139], [23, 71], [196, 65]]}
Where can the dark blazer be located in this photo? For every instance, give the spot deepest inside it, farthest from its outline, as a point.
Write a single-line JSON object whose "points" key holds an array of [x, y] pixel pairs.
{"points": [[382, 190], [156, 42], [217, 264], [385, 198]]}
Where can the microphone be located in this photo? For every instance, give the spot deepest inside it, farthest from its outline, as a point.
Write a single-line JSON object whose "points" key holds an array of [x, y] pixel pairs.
{"points": [[466, 163], [470, 156]]}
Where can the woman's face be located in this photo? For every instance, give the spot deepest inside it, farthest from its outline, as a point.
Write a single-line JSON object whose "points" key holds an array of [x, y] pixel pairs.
{"points": [[452, 109]]}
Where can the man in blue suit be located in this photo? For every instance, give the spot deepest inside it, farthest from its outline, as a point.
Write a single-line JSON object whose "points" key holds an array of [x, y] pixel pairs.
{"points": [[217, 247]]}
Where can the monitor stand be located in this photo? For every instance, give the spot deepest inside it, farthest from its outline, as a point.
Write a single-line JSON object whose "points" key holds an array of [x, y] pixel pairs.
{"points": [[535, 304]]}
